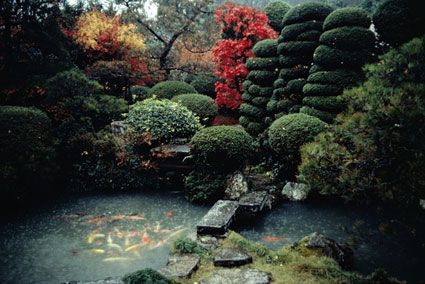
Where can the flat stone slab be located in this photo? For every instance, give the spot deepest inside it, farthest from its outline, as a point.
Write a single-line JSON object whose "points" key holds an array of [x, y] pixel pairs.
{"points": [[180, 266], [218, 219], [253, 202], [109, 280], [232, 257], [208, 242], [238, 276]]}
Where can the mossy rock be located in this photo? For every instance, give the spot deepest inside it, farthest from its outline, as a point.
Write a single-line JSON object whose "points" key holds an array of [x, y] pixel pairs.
{"points": [[246, 97], [259, 91], [349, 38], [312, 35], [398, 21], [265, 48], [258, 63], [298, 48], [262, 78], [342, 78], [307, 11], [246, 84], [293, 73], [331, 104], [348, 16], [322, 115], [260, 101], [291, 32], [288, 61], [251, 110], [321, 90], [275, 12], [169, 89], [336, 58]]}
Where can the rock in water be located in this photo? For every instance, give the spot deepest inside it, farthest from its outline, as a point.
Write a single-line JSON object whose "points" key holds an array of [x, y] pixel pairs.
{"points": [[232, 257], [218, 218], [238, 276], [295, 191], [180, 266], [236, 186]]}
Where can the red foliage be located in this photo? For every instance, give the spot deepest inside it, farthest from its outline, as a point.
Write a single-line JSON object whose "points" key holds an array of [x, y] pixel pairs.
{"points": [[241, 28], [225, 120]]}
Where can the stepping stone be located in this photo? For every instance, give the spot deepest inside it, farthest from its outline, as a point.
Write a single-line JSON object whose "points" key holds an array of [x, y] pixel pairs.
{"points": [[180, 266], [208, 242], [232, 257], [109, 280], [253, 202], [218, 219], [238, 276]]}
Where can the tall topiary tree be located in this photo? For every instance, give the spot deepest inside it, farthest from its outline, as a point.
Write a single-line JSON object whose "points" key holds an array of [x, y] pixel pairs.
{"points": [[258, 87], [346, 45], [275, 11], [297, 42]]}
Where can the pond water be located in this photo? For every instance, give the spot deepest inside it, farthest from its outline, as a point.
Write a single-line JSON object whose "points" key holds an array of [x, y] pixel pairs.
{"points": [[401, 254], [94, 237]]}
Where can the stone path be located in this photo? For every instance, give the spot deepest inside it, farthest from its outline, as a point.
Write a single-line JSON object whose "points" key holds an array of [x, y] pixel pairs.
{"points": [[218, 219], [238, 276], [232, 257], [180, 266]]}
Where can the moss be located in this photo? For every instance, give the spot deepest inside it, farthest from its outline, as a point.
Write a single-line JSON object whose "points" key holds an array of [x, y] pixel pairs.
{"points": [[291, 32], [307, 11], [322, 115], [275, 12], [265, 48], [331, 104], [349, 16], [335, 58], [169, 89], [321, 90], [349, 38], [262, 78], [258, 63], [297, 47]]}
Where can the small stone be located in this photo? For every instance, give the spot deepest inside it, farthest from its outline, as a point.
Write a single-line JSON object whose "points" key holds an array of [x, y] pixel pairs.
{"points": [[180, 266], [295, 191], [236, 186], [232, 257], [238, 276], [253, 202]]}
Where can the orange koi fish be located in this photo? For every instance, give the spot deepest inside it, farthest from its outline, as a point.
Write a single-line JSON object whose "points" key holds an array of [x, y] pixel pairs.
{"points": [[145, 237], [135, 217], [97, 230], [95, 220], [274, 239], [158, 228], [169, 214], [165, 231], [152, 242]]}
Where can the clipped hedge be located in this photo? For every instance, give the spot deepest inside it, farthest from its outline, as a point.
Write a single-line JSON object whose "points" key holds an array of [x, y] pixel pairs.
{"points": [[163, 119], [201, 105], [288, 61], [322, 115], [258, 91], [139, 93], [169, 89], [341, 77], [262, 78], [246, 84], [205, 84], [335, 58], [204, 187], [251, 110], [289, 74], [330, 104], [291, 32], [265, 48], [307, 11], [258, 63], [348, 16], [289, 132], [226, 147], [299, 48], [311, 90], [275, 12], [349, 38]]}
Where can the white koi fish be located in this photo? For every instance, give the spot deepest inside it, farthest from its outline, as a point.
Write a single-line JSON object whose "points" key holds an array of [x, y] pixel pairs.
{"points": [[92, 237], [97, 251], [118, 247], [135, 247], [115, 259]]}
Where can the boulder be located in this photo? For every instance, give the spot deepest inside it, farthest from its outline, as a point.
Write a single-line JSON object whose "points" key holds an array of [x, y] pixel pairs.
{"points": [[340, 253], [180, 266], [230, 257], [238, 276], [236, 186], [218, 218], [118, 128], [295, 191]]}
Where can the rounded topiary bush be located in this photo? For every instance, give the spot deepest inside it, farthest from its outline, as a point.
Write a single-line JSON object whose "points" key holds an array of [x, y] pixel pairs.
{"points": [[163, 119], [265, 48], [275, 12], [169, 89], [139, 93], [202, 106], [348, 16], [398, 21], [26, 151], [306, 12], [146, 276], [205, 84], [226, 147], [349, 38], [289, 132]]}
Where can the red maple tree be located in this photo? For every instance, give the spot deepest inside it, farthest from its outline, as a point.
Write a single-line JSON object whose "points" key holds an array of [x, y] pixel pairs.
{"points": [[241, 28]]}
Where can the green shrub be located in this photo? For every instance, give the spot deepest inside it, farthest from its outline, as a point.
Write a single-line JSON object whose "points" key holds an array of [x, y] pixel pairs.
{"points": [[258, 91], [139, 93], [349, 38], [262, 78], [291, 32], [146, 276], [265, 48], [342, 78], [398, 21], [297, 47], [205, 186], [222, 146], [188, 246], [307, 11], [335, 58], [246, 97], [163, 119], [243, 120], [321, 90], [201, 105], [349, 16], [288, 61], [275, 12], [27, 156], [331, 104], [293, 73], [246, 84], [260, 101], [289, 132], [284, 105], [322, 115], [169, 89], [311, 35], [279, 83], [205, 84], [258, 63], [251, 110]]}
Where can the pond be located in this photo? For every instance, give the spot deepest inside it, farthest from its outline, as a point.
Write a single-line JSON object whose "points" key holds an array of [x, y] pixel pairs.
{"points": [[398, 253], [94, 237]]}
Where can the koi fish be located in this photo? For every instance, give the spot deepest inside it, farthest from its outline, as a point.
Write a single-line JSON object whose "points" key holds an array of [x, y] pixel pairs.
{"points": [[158, 228], [109, 239], [111, 252], [95, 220], [97, 251], [176, 233], [134, 247], [145, 237], [274, 239], [92, 237], [126, 241], [97, 230], [135, 217], [169, 214], [164, 231], [116, 218], [114, 259], [118, 247]]}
